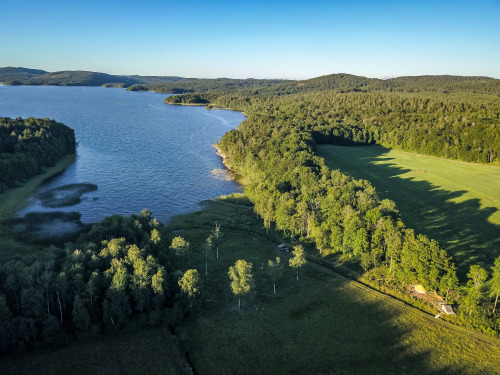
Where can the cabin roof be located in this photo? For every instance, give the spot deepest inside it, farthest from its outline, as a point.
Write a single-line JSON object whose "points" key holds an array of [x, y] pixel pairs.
{"points": [[447, 309]]}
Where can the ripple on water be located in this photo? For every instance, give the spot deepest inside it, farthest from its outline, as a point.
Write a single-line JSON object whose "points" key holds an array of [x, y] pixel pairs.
{"points": [[137, 155]]}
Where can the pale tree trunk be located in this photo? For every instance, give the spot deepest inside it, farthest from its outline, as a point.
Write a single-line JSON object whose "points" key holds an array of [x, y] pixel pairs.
{"points": [[239, 303], [60, 307], [297, 273], [495, 305], [274, 287], [217, 251]]}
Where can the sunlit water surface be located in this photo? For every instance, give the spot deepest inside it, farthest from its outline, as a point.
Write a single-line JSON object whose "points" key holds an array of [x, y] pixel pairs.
{"points": [[140, 152]]}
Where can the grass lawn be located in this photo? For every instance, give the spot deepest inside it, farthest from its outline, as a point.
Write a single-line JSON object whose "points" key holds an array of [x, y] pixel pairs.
{"points": [[456, 203], [321, 324], [149, 351]]}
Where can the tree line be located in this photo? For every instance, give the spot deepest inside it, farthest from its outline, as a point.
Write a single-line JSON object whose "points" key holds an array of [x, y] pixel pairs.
{"points": [[295, 192], [457, 126], [121, 270], [28, 145]]}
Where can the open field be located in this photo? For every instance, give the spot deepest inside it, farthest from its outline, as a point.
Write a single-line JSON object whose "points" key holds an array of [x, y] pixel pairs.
{"points": [[456, 203], [150, 351], [321, 324]]}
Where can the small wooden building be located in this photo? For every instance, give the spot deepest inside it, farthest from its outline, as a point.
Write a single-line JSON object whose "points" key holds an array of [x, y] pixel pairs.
{"points": [[447, 309]]}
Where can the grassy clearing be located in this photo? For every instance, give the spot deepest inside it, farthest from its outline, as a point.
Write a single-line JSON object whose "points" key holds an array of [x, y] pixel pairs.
{"points": [[456, 203], [13, 200], [150, 351], [321, 324]]}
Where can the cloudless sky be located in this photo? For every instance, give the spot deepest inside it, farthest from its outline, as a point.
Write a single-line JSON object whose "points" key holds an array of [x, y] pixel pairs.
{"points": [[260, 39]]}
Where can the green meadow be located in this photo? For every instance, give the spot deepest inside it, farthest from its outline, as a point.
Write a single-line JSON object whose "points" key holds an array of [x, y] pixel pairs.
{"points": [[454, 202], [321, 324]]}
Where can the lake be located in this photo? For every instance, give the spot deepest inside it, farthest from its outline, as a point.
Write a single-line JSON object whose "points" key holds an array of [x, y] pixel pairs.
{"points": [[140, 152]]}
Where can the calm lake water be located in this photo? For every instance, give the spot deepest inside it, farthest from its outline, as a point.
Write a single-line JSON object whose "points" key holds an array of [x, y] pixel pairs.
{"points": [[140, 152]]}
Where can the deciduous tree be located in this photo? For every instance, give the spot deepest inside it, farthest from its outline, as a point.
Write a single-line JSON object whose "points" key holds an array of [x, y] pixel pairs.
{"points": [[275, 268], [241, 278], [298, 259], [190, 284]]}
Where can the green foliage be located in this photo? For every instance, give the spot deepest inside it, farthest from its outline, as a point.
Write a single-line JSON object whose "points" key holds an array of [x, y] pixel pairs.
{"points": [[298, 259], [180, 246], [241, 278], [190, 283], [495, 282], [102, 283], [275, 270], [274, 149], [27, 146]]}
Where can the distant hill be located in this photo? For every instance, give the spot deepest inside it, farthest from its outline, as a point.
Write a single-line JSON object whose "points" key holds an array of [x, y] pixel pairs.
{"points": [[11, 75], [222, 85], [25, 76], [336, 81], [157, 79], [340, 82]]}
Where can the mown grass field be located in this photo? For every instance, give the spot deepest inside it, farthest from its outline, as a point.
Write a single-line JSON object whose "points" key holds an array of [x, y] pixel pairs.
{"points": [[321, 324], [456, 203]]}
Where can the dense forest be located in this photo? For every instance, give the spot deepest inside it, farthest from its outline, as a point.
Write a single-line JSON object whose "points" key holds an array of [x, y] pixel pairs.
{"points": [[120, 269], [25, 76], [28, 145], [340, 83], [461, 126], [295, 192], [218, 85]]}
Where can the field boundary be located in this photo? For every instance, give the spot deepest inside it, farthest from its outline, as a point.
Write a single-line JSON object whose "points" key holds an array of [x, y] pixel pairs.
{"points": [[328, 267]]}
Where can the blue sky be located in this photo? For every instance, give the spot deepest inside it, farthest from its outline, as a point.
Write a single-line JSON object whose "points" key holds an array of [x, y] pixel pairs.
{"points": [[260, 39]]}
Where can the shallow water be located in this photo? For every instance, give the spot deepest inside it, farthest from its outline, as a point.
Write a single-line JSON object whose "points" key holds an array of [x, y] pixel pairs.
{"points": [[140, 152]]}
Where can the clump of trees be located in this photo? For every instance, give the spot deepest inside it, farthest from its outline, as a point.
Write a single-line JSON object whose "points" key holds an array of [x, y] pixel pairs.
{"points": [[122, 272], [28, 145]]}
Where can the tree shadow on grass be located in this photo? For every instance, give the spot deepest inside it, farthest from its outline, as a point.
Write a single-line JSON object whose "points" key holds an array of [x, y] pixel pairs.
{"points": [[325, 324], [461, 228]]}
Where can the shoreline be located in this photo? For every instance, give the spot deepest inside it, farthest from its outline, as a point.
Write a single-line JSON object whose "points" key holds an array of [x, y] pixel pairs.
{"points": [[238, 178], [206, 105], [13, 199]]}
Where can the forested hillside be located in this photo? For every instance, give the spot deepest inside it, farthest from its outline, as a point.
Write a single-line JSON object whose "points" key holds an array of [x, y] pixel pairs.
{"points": [[27, 146], [221, 85], [294, 191], [25, 76], [461, 126]]}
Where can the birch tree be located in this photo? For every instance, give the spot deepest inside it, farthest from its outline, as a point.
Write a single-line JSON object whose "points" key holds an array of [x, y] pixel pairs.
{"points": [[190, 284], [298, 259], [275, 269], [241, 279]]}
